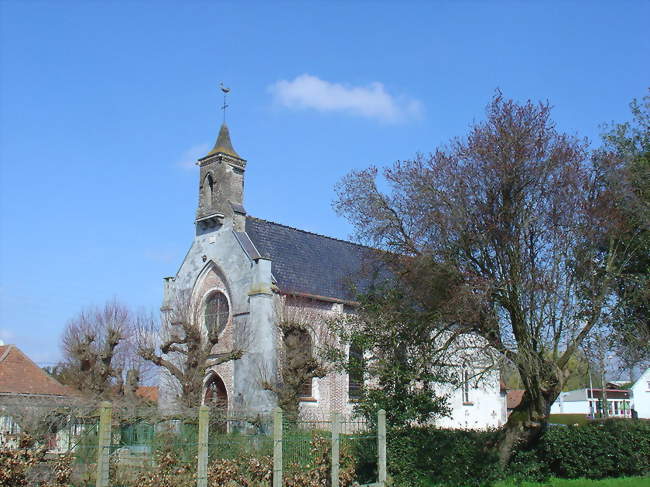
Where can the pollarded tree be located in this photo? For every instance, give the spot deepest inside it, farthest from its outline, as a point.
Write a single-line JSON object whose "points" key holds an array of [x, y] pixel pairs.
{"points": [[182, 345], [519, 216], [97, 351], [299, 326]]}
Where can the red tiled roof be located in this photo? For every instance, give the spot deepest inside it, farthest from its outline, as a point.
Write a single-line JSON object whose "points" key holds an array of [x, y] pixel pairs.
{"points": [[19, 375], [150, 393], [514, 397]]}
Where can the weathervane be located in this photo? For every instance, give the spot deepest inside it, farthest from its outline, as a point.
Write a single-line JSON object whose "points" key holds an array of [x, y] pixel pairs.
{"points": [[225, 92]]}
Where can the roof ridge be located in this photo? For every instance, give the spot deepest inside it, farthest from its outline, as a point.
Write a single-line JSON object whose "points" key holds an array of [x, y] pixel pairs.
{"points": [[311, 233]]}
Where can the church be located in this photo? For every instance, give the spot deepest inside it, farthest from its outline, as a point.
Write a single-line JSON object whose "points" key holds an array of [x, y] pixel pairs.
{"points": [[240, 270]]}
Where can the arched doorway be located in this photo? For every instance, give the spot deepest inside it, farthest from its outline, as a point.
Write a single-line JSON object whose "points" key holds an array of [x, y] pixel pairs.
{"points": [[216, 397], [216, 394]]}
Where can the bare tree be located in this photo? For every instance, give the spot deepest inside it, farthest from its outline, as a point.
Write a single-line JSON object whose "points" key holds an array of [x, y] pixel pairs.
{"points": [[299, 325], [97, 350], [523, 221], [182, 346]]}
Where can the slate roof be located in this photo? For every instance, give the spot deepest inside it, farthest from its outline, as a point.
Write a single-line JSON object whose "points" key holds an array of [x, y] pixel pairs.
{"points": [[19, 375], [308, 263]]}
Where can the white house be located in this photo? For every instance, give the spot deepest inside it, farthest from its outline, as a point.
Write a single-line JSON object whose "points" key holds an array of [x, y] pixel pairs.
{"points": [[641, 395], [588, 402], [476, 404]]}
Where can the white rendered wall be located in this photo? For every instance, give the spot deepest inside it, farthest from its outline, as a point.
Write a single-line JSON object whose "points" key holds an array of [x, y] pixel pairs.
{"points": [[570, 407], [641, 395], [484, 409]]}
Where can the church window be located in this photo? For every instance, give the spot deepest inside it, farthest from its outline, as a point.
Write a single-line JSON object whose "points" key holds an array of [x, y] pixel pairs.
{"points": [[299, 361], [355, 371], [209, 190], [217, 312]]}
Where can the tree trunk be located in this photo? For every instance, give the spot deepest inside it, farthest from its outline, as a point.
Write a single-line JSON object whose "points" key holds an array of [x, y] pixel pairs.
{"points": [[526, 423]]}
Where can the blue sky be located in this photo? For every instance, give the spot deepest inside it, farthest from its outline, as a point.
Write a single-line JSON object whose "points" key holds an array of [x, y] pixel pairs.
{"points": [[102, 105]]}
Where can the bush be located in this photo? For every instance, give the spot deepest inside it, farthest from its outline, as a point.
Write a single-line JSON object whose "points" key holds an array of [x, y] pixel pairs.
{"points": [[527, 466], [430, 456], [26, 464], [612, 448]]}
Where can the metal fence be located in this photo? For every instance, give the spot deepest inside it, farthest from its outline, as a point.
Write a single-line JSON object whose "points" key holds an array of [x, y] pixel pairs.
{"points": [[113, 446]]}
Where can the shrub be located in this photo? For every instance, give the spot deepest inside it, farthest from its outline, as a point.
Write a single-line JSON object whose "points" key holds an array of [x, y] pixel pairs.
{"points": [[428, 456], [432, 456], [15, 463], [527, 466], [612, 448], [26, 464]]}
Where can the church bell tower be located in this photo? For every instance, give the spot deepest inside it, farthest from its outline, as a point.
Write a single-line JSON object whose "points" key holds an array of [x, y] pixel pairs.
{"points": [[221, 186]]}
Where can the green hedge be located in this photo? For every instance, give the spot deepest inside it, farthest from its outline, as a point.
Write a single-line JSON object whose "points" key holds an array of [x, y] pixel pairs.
{"points": [[423, 456], [612, 448], [427, 456]]}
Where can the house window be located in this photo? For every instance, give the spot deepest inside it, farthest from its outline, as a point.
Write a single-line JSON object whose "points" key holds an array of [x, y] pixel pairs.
{"points": [[217, 312], [466, 387], [355, 371]]}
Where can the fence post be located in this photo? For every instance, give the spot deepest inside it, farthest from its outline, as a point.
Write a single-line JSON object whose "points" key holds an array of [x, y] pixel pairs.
{"points": [[103, 443], [277, 447], [202, 467], [381, 445], [336, 429]]}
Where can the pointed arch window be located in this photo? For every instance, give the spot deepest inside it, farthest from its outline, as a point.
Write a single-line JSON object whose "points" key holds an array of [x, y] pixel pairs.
{"points": [[209, 190], [298, 352], [216, 313]]}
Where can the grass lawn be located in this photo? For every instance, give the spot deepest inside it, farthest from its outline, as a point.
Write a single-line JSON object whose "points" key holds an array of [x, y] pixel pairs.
{"points": [[619, 482], [568, 419]]}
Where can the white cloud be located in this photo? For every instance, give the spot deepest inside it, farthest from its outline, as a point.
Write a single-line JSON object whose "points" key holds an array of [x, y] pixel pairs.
{"points": [[6, 336], [188, 159], [371, 101]]}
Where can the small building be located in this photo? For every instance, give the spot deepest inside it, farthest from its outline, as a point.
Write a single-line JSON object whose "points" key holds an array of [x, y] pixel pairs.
{"points": [[589, 402], [641, 396], [27, 396]]}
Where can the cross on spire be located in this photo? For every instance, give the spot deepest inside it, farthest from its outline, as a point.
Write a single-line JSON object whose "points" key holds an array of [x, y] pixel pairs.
{"points": [[225, 105]]}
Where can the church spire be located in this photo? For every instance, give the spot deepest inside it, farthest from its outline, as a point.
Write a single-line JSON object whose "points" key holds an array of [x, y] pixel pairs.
{"points": [[223, 144], [221, 184]]}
